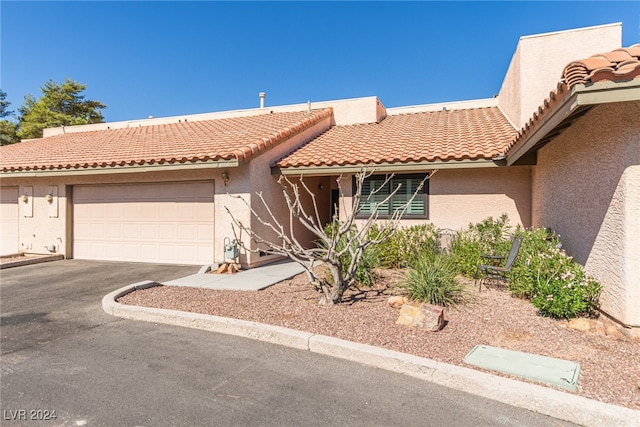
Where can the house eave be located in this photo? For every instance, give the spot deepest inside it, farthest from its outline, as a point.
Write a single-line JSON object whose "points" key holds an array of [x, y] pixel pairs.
{"points": [[121, 169], [580, 100], [384, 167]]}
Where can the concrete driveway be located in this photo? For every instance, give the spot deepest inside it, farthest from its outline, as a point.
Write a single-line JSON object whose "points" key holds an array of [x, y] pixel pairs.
{"points": [[62, 355]]}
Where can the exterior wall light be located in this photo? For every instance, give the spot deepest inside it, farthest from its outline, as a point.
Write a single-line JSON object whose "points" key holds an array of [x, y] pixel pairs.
{"points": [[225, 177], [49, 198], [24, 198]]}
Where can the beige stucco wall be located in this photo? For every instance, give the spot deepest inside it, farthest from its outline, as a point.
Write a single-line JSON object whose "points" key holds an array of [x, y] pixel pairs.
{"points": [[41, 230], [458, 197], [42, 224], [537, 64], [245, 181], [345, 112], [586, 186]]}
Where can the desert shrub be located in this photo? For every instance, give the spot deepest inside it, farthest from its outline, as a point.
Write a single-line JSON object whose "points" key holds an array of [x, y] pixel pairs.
{"points": [[543, 273], [433, 280], [487, 237], [535, 241], [557, 286], [365, 274], [406, 245]]}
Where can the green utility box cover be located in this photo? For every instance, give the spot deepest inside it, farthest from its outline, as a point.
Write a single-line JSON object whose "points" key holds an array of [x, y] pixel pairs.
{"points": [[558, 372]]}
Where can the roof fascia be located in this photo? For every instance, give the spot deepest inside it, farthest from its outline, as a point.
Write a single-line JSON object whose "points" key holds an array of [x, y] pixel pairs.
{"points": [[384, 167], [121, 169], [580, 96], [606, 92]]}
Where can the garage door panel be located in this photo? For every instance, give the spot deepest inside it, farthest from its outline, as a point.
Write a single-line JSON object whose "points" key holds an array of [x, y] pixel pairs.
{"points": [[130, 251], [205, 231], [149, 232], [167, 253], [204, 252], [149, 252], [130, 210], [97, 251], [186, 252], [168, 211], [113, 231], [204, 209], [97, 230], [188, 231], [113, 250], [113, 210], [97, 210], [149, 211], [130, 231], [186, 210], [170, 223]]}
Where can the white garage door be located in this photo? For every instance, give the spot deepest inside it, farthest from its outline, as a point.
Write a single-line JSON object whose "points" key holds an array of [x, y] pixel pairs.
{"points": [[165, 223], [8, 220]]}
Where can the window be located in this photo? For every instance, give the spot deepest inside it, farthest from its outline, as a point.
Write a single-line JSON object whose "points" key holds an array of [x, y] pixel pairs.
{"points": [[408, 185]]}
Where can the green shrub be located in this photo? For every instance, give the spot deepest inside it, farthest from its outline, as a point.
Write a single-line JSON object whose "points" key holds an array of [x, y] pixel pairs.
{"points": [[556, 285], [406, 245], [433, 280], [487, 237], [522, 277], [543, 273], [365, 274]]}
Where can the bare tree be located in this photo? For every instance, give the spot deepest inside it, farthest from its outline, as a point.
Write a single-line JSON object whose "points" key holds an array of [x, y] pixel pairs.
{"points": [[344, 240]]}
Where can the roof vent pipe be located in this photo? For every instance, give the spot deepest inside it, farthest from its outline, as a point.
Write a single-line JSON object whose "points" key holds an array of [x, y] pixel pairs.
{"points": [[262, 95], [309, 107]]}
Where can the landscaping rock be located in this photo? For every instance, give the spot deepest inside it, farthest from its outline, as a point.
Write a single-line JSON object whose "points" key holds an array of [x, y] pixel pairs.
{"points": [[581, 324], [397, 301], [614, 332], [223, 268], [421, 315]]}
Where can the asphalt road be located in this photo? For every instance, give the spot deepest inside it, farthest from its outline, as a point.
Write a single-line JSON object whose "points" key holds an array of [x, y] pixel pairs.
{"points": [[63, 356]]}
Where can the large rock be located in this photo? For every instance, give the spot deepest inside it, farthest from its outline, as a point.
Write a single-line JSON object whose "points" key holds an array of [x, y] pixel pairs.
{"points": [[421, 315]]}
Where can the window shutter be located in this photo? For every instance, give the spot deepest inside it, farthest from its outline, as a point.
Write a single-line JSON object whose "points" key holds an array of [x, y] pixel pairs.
{"points": [[416, 207], [368, 203], [366, 206], [408, 186]]}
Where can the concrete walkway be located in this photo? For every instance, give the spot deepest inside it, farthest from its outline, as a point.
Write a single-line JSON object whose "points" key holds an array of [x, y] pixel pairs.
{"points": [[253, 279]]}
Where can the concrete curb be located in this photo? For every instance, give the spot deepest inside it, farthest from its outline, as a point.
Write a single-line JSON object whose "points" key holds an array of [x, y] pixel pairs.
{"points": [[223, 325], [29, 261], [543, 400]]}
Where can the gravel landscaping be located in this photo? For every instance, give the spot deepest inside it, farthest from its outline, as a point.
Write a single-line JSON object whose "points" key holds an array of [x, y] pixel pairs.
{"points": [[609, 361]]}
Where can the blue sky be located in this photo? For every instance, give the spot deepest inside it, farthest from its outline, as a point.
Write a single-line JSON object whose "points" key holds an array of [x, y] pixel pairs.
{"points": [[174, 58]]}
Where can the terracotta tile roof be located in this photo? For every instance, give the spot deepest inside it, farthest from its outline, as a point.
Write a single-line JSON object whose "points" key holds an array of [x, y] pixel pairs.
{"points": [[184, 142], [478, 133], [618, 65]]}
